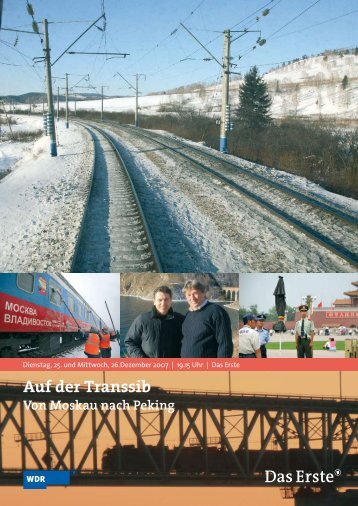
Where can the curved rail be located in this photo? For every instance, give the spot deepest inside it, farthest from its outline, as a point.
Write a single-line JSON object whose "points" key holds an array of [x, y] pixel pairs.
{"points": [[156, 262]]}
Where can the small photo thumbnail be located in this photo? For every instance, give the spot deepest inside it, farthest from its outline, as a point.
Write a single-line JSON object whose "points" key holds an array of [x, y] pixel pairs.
{"points": [[179, 315], [46, 315]]}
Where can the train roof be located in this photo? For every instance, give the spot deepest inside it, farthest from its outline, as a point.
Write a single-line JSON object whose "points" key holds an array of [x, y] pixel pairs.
{"points": [[76, 293]]}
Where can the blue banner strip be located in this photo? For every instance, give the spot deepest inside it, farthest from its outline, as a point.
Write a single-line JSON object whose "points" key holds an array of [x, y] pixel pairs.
{"points": [[41, 479]]}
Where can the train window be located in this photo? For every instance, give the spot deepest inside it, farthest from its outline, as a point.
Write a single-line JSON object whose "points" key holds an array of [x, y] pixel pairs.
{"points": [[71, 304], [55, 293], [25, 281]]}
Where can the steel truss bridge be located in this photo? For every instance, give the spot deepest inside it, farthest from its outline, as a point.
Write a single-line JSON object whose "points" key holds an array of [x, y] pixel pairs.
{"points": [[206, 438]]}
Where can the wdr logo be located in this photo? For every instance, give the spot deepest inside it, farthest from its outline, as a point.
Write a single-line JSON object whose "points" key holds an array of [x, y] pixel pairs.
{"points": [[42, 479]]}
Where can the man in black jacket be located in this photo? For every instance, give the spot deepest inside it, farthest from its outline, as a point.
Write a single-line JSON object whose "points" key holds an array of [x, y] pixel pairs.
{"points": [[207, 327], [157, 333]]}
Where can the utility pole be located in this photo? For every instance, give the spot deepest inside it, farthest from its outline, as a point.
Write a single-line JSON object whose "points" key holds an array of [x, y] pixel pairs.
{"points": [[225, 122], [66, 97], [136, 115], [136, 101], [58, 103], [102, 87], [51, 123], [225, 107], [136, 89], [66, 100], [101, 103]]}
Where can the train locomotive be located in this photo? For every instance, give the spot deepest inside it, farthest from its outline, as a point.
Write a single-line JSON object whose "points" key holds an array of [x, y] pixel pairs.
{"points": [[41, 315], [215, 461]]}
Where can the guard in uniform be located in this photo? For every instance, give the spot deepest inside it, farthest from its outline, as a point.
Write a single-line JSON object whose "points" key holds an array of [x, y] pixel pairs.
{"points": [[105, 343], [249, 339], [304, 334], [263, 333], [92, 349]]}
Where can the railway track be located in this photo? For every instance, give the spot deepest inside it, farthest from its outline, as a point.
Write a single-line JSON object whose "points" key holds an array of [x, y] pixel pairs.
{"points": [[114, 236], [305, 213], [309, 198]]}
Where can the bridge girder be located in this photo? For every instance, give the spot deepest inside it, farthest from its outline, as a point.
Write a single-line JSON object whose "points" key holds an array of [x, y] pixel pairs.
{"points": [[241, 432]]}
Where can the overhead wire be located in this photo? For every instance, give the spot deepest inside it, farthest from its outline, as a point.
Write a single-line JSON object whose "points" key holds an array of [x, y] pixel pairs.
{"points": [[167, 37], [23, 56], [293, 19], [11, 64], [316, 24], [70, 22], [249, 17], [255, 12], [248, 51]]}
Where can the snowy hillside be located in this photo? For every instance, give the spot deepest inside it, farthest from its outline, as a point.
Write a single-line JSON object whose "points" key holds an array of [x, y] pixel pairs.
{"points": [[310, 87], [315, 87]]}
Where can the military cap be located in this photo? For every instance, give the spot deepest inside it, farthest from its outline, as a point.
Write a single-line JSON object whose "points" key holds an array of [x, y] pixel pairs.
{"points": [[261, 317], [303, 307], [248, 317]]}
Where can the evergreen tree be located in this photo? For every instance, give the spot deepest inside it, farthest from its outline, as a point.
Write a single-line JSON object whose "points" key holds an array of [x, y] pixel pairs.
{"points": [[255, 102], [290, 312]]}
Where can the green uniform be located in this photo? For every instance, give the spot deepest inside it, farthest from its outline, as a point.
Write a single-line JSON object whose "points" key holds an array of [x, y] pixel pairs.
{"points": [[304, 337]]}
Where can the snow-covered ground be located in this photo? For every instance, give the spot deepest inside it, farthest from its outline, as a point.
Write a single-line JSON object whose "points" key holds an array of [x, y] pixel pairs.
{"points": [[292, 181], [11, 152], [42, 199], [22, 123]]}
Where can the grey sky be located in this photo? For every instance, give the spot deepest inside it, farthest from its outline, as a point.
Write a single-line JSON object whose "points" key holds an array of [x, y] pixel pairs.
{"points": [[97, 288], [258, 288]]}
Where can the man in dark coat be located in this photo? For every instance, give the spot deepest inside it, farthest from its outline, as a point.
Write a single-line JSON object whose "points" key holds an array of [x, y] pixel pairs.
{"points": [[206, 328], [157, 333]]}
